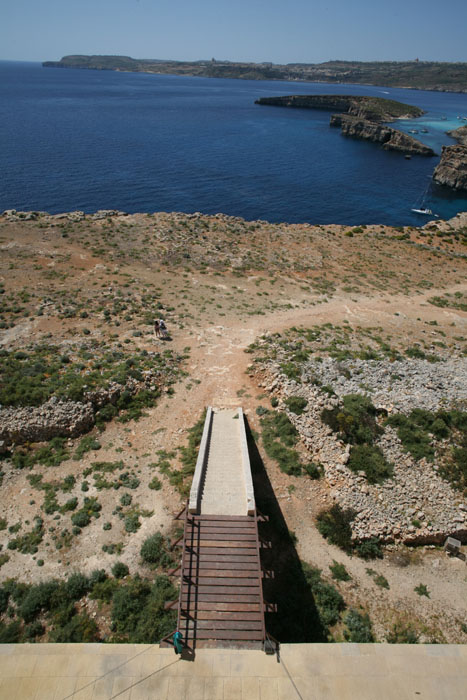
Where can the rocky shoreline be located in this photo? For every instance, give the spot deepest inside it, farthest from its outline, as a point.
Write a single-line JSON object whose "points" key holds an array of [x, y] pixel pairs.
{"points": [[361, 118]]}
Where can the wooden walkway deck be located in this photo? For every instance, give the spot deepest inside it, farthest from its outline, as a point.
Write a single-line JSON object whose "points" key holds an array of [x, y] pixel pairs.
{"points": [[221, 596]]}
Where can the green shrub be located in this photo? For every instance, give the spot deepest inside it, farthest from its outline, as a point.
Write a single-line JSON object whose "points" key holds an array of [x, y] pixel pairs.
{"points": [[78, 630], [339, 572], [138, 610], [37, 598], [421, 589], [402, 634], [4, 597], [358, 627], [313, 470], [34, 630], [334, 525], [155, 484], [369, 549], [132, 523], [104, 590], [126, 499], [77, 585], [87, 444], [370, 459], [29, 542], [154, 551], [355, 422], [296, 404], [120, 570], [279, 435], [10, 634], [329, 601]]}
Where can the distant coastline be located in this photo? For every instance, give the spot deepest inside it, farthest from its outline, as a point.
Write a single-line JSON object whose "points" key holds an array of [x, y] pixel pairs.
{"points": [[415, 75]]}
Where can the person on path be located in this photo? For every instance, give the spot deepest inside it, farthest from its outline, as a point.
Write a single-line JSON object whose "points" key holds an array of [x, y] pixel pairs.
{"points": [[157, 329], [163, 328]]}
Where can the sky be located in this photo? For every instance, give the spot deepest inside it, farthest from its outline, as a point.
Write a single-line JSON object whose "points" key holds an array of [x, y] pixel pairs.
{"points": [[280, 31]]}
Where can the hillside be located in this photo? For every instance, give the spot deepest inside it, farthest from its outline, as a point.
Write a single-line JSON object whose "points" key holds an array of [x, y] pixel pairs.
{"points": [[421, 75], [100, 420]]}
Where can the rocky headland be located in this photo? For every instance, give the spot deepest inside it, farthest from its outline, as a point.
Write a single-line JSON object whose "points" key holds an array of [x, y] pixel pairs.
{"points": [[361, 117], [452, 168], [459, 134]]}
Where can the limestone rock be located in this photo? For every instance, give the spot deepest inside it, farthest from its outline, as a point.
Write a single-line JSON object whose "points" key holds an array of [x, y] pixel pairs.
{"points": [[452, 169]]}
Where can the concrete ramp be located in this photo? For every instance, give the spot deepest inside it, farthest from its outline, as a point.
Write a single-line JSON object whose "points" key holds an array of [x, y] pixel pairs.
{"points": [[224, 491], [222, 483]]}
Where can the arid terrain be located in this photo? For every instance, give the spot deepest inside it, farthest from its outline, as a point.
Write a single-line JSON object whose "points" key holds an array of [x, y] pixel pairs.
{"points": [[249, 306]]}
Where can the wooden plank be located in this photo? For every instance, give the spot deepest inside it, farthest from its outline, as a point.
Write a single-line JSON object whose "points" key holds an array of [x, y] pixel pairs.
{"points": [[223, 590], [231, 544], [230, 537], [222, 550], [222, 527], [224, 615], [217, 625], [220, 563], [215, 581], [225, 608], [226, 557], [230, 518], [202, 573], [230, 634], [238, 598]]}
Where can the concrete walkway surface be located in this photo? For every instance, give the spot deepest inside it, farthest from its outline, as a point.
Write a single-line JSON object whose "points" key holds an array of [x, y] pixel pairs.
{"points": [[307, 671], [224, 491]]}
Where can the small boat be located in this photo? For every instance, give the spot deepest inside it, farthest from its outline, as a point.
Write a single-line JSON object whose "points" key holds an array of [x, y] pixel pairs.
{"points": [[413, 131], [420, 206], [408, 156], [426, 212], [424, 131]]}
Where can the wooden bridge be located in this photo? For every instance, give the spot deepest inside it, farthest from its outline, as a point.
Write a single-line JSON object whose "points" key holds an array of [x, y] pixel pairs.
{"points": [[221, 597]]}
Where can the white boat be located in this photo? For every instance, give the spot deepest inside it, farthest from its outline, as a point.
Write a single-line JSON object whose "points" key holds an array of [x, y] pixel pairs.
{"points": [[420, 208], [427, 212]]}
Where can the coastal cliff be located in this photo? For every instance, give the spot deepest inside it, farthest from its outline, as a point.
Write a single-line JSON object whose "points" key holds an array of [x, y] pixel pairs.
{"points": [[419, 75], [391, 139], [452, 169], [361, 117], [459, 134], [375, 109]]}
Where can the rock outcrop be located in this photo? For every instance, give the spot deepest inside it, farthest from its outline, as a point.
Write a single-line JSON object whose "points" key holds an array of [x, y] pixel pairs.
{"points": [[52, 419], [452, 169], [459, 134], [391, 139], [361, 117], [373, 108]]}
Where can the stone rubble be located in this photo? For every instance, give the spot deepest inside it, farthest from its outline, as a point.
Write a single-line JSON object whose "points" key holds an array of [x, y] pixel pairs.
{"points": [[416, 506]]}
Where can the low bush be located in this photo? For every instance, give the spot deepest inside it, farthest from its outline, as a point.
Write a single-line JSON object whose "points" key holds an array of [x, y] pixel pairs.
{"points": [[154, 551], [78, 630], [339, 572], [355, 421], [334, 525], [369, 549], [402, 633], [296, 404], [371, 461], [155, 484], [120, 570], [329, 601], [279, 436], [359, 628]]}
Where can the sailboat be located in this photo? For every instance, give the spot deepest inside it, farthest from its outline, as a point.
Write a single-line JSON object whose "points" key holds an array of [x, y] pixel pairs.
{"points": [[420, 208]]}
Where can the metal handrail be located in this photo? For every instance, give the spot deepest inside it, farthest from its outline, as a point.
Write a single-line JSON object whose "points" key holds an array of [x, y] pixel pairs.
{"points": [[263, 624]]}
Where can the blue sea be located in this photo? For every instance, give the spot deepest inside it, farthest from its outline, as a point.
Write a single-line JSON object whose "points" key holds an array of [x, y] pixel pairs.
{"points": [[89, 140]]}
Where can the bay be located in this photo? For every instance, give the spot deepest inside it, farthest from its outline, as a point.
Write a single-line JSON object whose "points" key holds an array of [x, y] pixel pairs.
{"points": [[89, 140]]}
